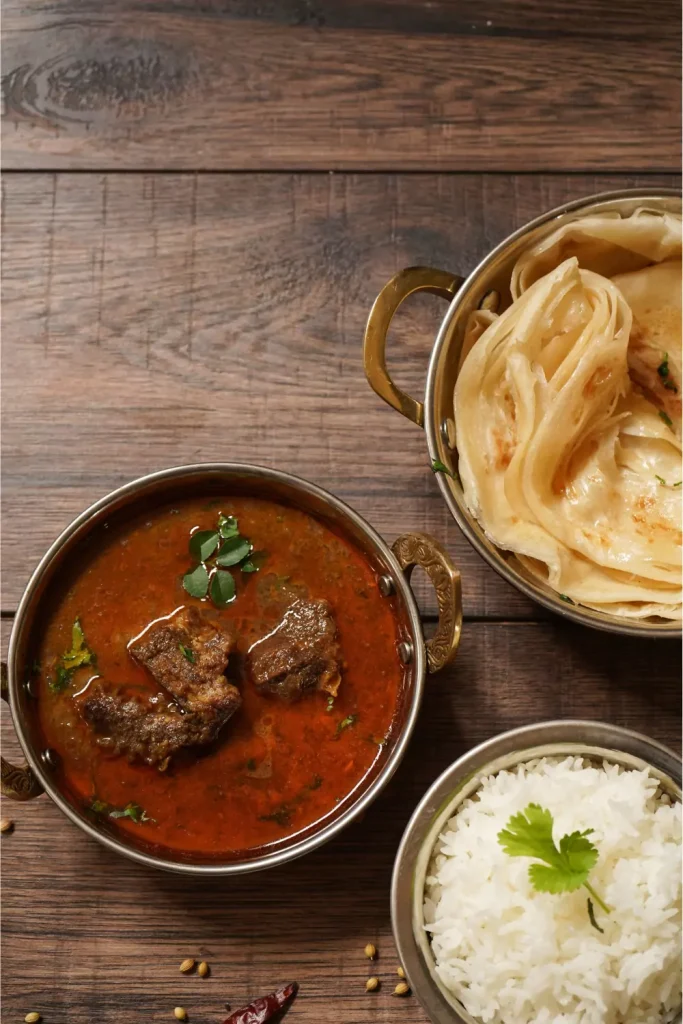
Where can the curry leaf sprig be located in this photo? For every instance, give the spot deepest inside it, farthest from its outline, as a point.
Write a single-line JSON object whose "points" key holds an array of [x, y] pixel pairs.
{"points": [[223, 547], [564, 868], [79, 655]]}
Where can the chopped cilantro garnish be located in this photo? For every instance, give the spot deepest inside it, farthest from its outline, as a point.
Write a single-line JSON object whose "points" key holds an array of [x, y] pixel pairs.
{"points": [[667, 419], [78, 656]]}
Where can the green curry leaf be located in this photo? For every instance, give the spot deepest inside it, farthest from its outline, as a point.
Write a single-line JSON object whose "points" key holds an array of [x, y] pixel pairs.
{"points": [[196, 582], [222, 588], [227, 526], [203, 543], [233, 551]]}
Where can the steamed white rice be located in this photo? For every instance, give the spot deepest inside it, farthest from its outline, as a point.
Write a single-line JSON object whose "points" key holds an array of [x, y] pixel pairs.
{"points": [[512, 955]]}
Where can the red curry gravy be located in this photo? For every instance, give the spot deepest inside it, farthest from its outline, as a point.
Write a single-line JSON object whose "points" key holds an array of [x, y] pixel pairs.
{"points": [[276, 768]]}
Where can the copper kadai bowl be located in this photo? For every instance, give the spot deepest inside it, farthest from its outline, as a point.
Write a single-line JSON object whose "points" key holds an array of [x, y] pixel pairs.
{"points": [[392, 566], [488, 283]]}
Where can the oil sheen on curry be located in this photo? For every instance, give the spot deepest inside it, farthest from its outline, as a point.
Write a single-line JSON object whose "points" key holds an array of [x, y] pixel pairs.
{"points": [[219, 676]]}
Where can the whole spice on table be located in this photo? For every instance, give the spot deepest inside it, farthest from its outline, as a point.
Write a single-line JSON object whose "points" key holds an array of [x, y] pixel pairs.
{"points": [[372, 984], [32, 1018], [370, 951], [402, 989], [203, 969], [187, 965], [401, 973], [6, 825], [265, 1008], [180, 1013]]}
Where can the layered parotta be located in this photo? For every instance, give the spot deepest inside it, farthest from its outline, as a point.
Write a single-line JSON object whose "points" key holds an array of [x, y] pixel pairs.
{"points": [[568, 414]]}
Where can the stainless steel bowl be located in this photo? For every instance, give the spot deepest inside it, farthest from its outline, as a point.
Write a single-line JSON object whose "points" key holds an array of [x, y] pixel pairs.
{"points": [[436, 415], [547, 739], [392, 566]]}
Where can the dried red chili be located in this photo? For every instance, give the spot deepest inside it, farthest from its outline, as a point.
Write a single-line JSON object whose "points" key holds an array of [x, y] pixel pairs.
{"points": [[265, 1008]]}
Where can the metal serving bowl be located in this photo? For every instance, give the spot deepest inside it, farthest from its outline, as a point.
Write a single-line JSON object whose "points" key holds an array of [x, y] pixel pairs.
{"points": [[489, 283], [392, 566], [460, 781]]}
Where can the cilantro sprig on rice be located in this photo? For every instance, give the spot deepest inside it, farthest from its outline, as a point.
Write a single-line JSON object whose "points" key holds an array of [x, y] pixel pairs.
{"points": [[564, 868]]}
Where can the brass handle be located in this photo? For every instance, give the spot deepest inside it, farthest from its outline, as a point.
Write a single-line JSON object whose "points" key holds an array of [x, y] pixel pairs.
{"points": [[413, 549], [412, 279], [16, 783]]}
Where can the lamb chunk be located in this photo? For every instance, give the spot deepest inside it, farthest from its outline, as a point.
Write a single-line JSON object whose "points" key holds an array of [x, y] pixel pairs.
{"points": [[129, 726], [187, 655], [300, 655]]}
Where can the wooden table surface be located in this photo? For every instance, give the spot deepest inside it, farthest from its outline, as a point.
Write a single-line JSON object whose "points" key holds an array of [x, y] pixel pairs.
{"points": [[200, 201]]}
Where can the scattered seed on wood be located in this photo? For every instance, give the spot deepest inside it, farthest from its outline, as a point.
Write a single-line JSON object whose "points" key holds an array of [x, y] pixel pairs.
{"points": [[187, 965], [180, 1013], [372, 984], [6, 825], [402, 989], [370, 951], [31, 1018], [203, 969], [401, 973]]}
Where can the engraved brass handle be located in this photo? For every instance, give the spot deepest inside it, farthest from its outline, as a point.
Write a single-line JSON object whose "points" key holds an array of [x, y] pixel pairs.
{"points": [[16, 783], [413, 549], [412, 279]]}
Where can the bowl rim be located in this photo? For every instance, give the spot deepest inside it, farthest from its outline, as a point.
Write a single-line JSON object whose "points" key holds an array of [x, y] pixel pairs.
{"points": [[126, 493], [455, 784], [467, 523]]}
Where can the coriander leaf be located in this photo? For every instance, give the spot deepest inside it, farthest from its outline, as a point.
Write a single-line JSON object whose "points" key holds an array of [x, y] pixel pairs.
{"points": [[667, 419], [227, 526], [439, 467], [71, 660], [678, 483], [346, 723], [222, 588], [98, 806], [530, 834], [196, 582], [203, 543], [591, 915], [330, 704], [233, 551], [563, 597], [663, 368], [132, 811], [565, 869], [660, 479], [188, 653]]}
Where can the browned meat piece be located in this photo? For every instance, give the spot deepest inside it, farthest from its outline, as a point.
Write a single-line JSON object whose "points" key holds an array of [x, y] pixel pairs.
{"points": [[187, 655], [301, 654]]}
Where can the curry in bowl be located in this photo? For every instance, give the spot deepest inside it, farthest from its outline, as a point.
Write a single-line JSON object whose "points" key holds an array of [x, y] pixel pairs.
{"points": [[218, 675]]}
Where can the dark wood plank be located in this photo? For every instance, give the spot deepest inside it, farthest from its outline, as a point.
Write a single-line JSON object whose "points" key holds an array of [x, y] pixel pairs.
{"points": [[88, 937], [323, 84], [153, 320]]}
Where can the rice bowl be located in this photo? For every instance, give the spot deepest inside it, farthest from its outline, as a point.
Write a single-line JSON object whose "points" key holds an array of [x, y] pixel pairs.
{"points": [[512, 955], [594, 743]]}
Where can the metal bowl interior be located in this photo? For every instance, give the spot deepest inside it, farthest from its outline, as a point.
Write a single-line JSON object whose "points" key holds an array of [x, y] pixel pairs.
{"points": [[493, 273], [151, 492], [456, 784]]}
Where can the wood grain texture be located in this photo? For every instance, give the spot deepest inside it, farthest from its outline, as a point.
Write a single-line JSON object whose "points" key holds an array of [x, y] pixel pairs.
{"points": [[226, 84], [89, 937], [155, 320]]}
